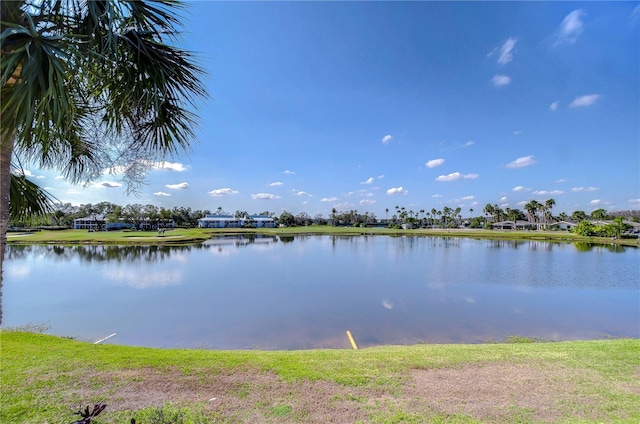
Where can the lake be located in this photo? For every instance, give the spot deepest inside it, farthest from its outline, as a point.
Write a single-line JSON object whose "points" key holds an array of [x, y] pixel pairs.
{"points": [[299, 292]]}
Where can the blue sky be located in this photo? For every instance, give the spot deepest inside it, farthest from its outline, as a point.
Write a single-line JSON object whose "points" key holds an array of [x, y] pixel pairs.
{"points": [[369, 105]]}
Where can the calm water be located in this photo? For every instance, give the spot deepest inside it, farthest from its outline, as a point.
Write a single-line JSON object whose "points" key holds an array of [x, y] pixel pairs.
{"points": [[305, 292]]}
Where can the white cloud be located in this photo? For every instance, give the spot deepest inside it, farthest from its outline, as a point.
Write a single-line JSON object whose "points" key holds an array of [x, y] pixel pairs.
{"points": [[554, 106], [172, 166], [548, 193], [434, 162], [521, 162], [264, 196], [367, 202], [288, 172], [455, 176], [580, 189], [162, 194], [584, 101], [437, 195], [570, 28], [179, 186], [107, 184], [369, 181], [505, 50], [59, 177], [329, 199], [468, 143], [595, 202], [396, 190], [503, 199], [303, 193], [380, 177], [499, 80], [561, 180], [386, 139], [222, 192], [275, 184], [635, 201], [520, 188], [468, 198]]}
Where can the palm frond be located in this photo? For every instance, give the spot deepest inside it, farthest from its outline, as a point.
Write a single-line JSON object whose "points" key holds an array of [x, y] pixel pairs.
{"points": [[27, 199]]}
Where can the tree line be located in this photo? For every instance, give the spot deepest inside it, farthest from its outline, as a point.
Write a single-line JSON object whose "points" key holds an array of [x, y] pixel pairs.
{"points": [[537, 214]]}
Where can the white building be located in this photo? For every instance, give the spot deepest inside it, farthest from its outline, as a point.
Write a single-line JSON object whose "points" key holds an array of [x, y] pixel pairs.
{"points": [[229, 221], [95, 222]]}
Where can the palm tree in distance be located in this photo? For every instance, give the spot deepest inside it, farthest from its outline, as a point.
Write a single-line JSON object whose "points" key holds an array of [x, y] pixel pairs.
{"points": [[548, 205], [92, 86]]}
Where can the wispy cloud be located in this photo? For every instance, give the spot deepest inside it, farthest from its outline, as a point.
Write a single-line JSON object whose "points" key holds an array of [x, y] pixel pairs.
{"points": [[288, 172], [500, 80], [303, 193], [367, 202], [455, 176], [328, 199], [595, 202], [107, 184], [179, 186], [219, 192], [275, 184], [171, 166], [161, 194], [554, 106], [521, 162], [584, 101], [548, 193], [520, 188], [505, 54], [465, 198], [393, 191], [635, 15], [434, 163], [581, 189], [380, 177], [368, 181], [570, 28], [561, 180], [437, 195], [386, 139], [264, 196], [634, 201]]}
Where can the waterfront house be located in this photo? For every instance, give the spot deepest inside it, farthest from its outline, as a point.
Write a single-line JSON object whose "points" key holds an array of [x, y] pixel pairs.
{"points": [[230, 221]]}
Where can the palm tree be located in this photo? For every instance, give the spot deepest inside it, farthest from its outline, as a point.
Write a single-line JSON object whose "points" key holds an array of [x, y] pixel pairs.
{"points": [[88, 86], [548, 205], [457, 215], [532, 208]]}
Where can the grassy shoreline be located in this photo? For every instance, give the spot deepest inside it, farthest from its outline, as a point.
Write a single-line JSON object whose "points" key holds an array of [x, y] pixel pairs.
{"points": [[46, 378], [198, 235]]}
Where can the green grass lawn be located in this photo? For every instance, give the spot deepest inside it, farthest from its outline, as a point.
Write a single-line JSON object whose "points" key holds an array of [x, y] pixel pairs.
{"points": [[45, 379], [195, 235]]}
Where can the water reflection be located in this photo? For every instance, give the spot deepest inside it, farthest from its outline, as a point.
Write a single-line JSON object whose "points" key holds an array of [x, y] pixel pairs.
{"points": [[589, 247], [98, 253], [290, 292]]}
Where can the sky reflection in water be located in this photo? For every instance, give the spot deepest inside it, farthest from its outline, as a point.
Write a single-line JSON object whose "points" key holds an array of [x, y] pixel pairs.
{"points": [[305, 292]]}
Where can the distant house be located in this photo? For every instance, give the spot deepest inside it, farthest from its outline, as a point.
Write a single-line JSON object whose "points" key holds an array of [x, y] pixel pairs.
{"points": [[511, 225], [95, 222], [229, 221], [562, 225]]}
